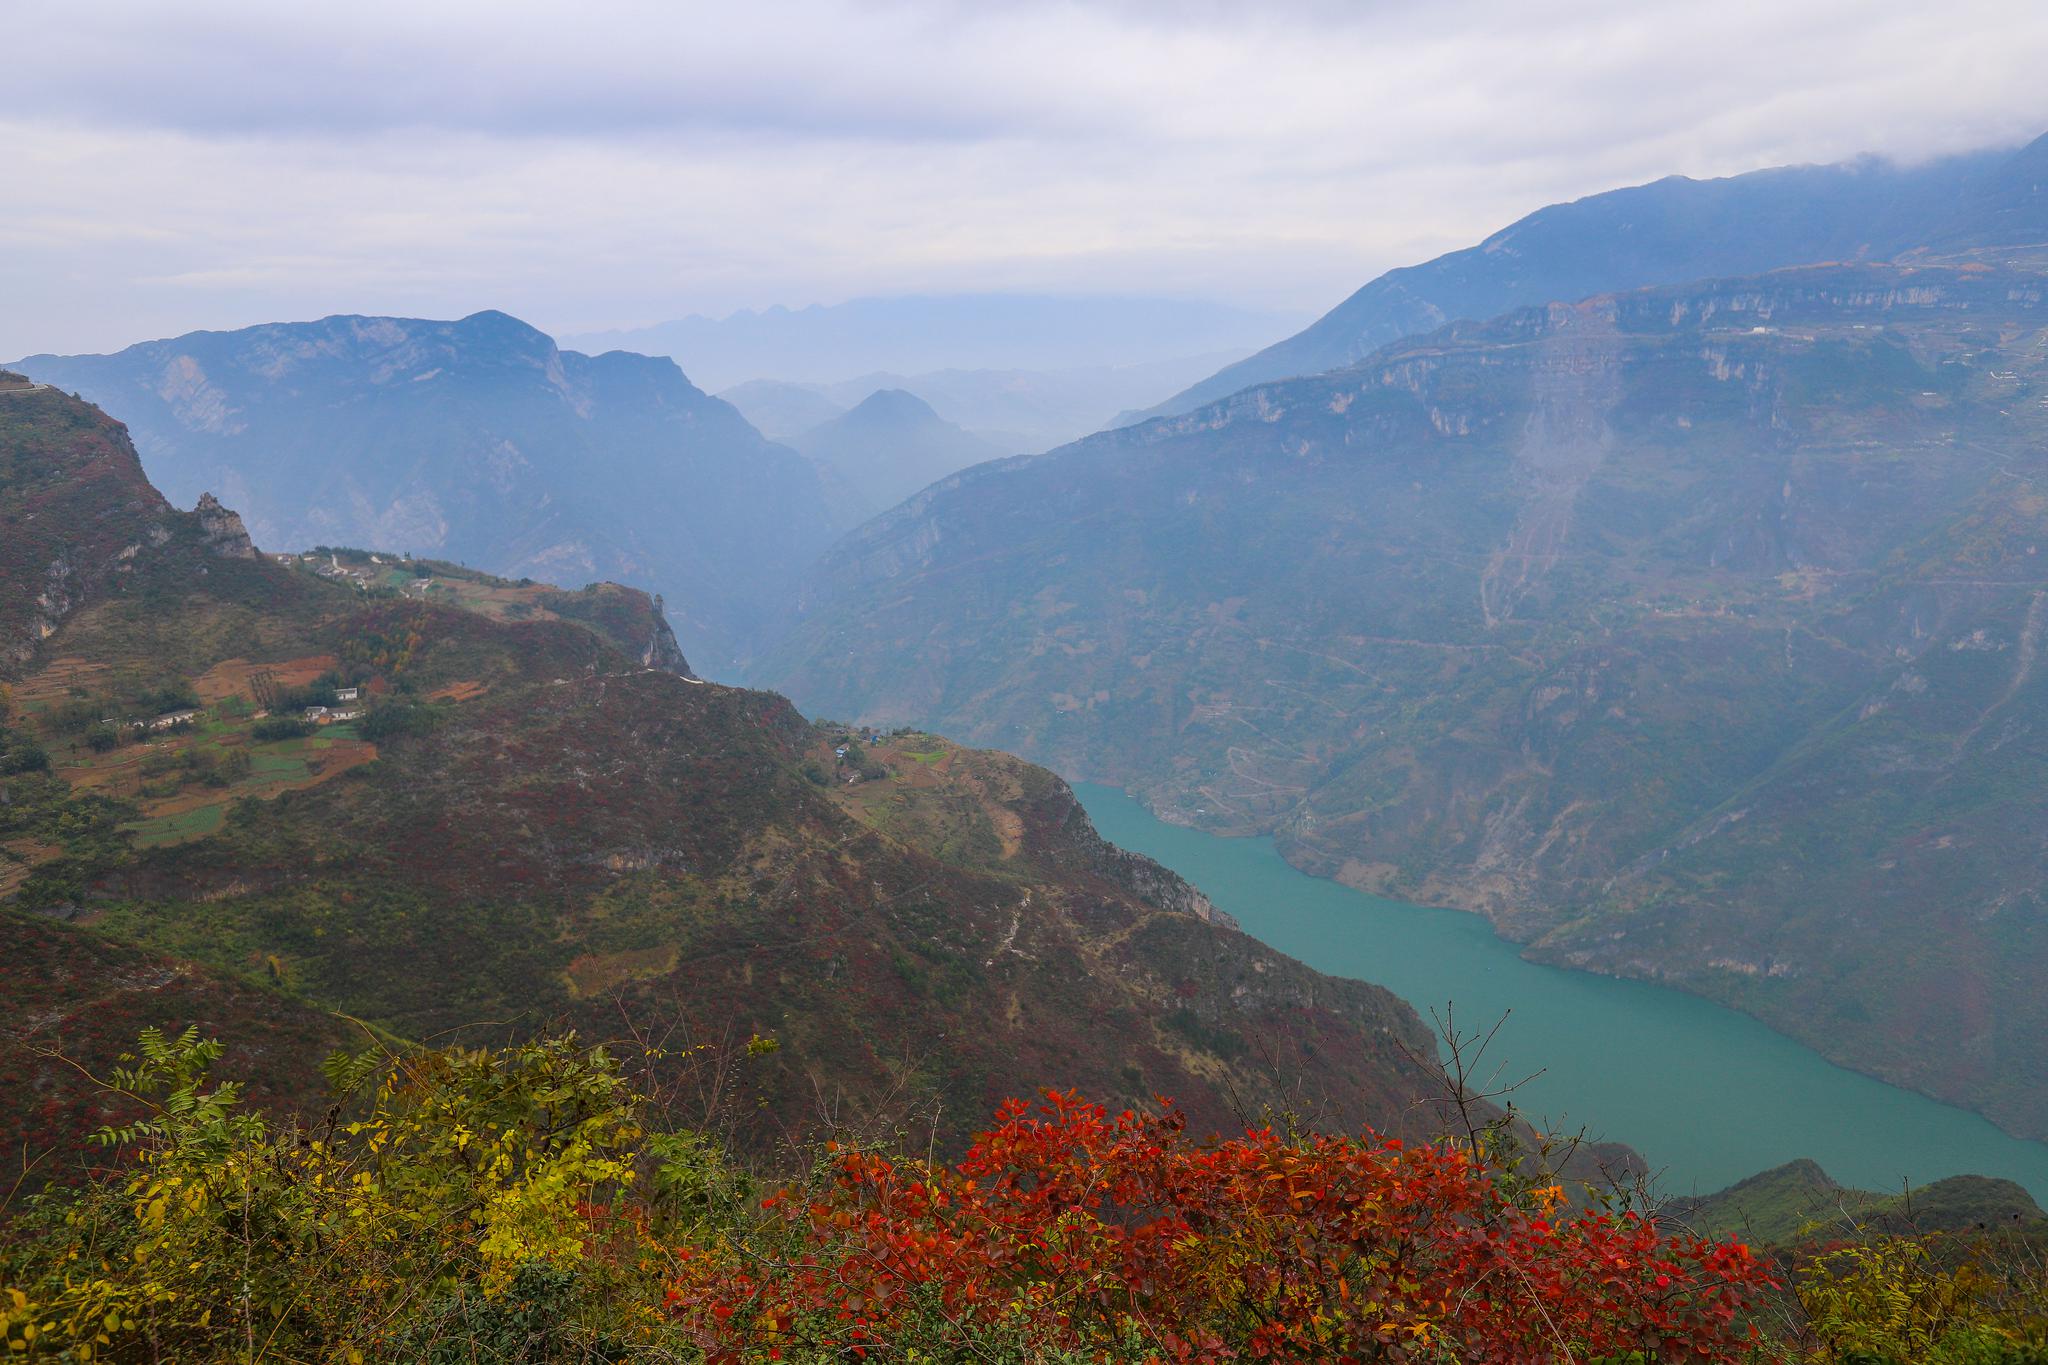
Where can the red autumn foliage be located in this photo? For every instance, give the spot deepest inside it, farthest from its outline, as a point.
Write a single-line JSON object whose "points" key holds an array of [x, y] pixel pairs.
{"points": [[1070, 1230]]}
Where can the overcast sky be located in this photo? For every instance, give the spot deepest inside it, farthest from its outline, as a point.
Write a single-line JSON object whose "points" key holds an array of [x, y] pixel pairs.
{"points": [[166, 167]]}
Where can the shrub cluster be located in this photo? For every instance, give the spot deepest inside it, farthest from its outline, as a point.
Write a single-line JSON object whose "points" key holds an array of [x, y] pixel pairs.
{"points": [[168, 770], [525, 1205], [273, 728]]}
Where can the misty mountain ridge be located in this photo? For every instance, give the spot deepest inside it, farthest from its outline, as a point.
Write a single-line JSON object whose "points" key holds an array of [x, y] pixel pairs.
{"points": [[890, 445], [478, 441], [1019, 410], [1667, 232], [780, 410]]}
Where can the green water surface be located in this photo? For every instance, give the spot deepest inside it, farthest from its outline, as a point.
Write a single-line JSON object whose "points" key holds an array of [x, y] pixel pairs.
{"points": [[1709, 1095]]}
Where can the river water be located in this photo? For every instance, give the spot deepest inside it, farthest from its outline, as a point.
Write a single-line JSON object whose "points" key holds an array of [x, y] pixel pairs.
{"points": [[1708, 1094]]}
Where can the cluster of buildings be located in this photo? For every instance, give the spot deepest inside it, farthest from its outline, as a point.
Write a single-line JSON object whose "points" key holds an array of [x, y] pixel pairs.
{"points": [[345, 708]]}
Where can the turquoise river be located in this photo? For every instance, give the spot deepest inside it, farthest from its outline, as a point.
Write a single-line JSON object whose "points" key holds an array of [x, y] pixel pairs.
{"points": [[1709, 1095]]}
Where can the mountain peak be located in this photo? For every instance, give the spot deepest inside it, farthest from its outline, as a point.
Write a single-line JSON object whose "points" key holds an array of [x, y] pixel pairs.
{"points": [[495, 331], [494, 320], [898, 405], [890, 445], [223, 530]]}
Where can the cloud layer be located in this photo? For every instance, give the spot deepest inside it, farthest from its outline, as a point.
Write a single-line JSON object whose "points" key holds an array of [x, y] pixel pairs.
{"points": [[216, 164]]}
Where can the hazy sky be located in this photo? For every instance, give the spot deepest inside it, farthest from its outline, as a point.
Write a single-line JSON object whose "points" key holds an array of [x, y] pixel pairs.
{"points": [[165, 167]]}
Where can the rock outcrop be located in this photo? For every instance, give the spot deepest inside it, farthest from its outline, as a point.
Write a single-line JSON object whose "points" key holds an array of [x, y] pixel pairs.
{"points": [[662, 650], [223, 530]]}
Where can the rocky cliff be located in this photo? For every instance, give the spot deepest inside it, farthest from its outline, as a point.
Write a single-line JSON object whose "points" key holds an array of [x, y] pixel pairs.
{"points": [[223, 530]]}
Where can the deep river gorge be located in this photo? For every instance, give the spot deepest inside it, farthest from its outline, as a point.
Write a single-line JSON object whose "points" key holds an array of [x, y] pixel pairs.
{"points": [[1708, 1094]]}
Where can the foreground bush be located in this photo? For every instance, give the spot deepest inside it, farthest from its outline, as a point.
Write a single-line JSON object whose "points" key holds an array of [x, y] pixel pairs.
{"points": [[1926, 1301], [522, 1205], [1072, 1234], [455, 1199]]}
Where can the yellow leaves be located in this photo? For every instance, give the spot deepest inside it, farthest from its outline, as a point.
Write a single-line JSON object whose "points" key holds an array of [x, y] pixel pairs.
{"points": [[461, 1166], [17, 1321], [536, 1219], [1888, 1297]]}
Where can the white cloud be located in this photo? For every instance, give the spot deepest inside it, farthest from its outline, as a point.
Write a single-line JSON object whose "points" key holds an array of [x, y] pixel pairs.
{"points": [[218, 164]]}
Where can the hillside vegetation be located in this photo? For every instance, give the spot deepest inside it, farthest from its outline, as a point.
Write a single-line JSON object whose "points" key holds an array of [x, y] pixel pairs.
{"points": [[446, 804], [1798, 1203], [1690, 634], [408, 839], [540, 1203]]}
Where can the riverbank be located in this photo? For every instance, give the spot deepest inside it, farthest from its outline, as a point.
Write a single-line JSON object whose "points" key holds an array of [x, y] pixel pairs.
{"points": [[1711, 1095]]}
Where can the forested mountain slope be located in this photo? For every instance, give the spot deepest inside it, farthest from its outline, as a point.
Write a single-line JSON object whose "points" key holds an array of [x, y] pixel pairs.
{"points": [[1691, 633], [455, 806]]}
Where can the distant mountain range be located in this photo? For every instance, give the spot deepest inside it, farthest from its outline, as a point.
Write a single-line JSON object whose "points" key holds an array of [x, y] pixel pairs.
{"points": [[780, 410], [1664, 233], [1019, 410], [890, 445], [1690, 634], [478, 441], [917, 334]]}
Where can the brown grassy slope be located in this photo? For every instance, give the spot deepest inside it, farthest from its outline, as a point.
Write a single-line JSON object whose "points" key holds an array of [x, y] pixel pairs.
{"points": [[628, 849]]}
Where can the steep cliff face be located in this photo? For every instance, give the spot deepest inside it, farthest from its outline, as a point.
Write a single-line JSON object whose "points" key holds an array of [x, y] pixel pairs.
{"points": [[477, 441], [1675, 630], [634, 620], [79, 522], [661, 650]]}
